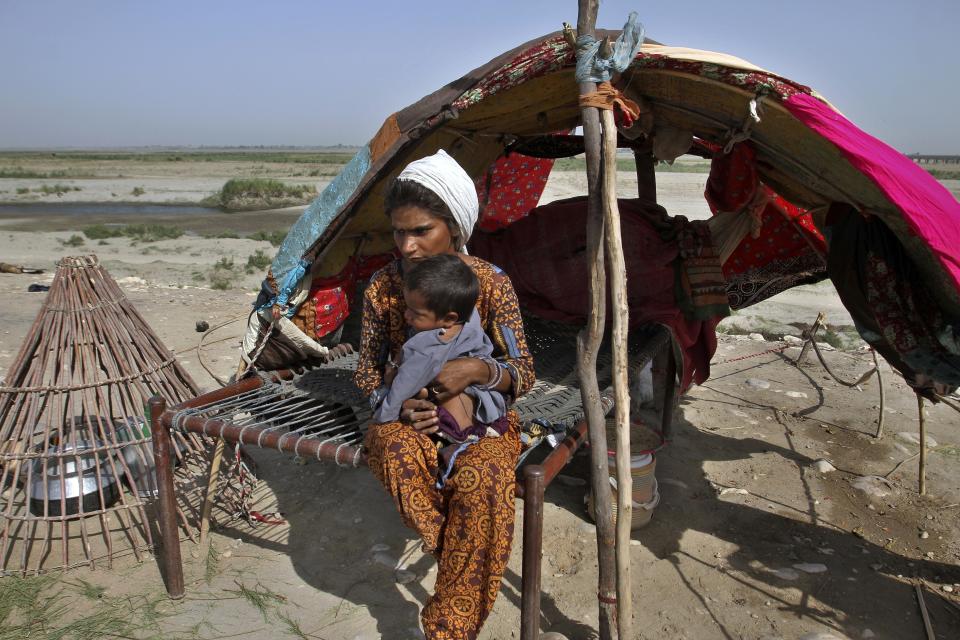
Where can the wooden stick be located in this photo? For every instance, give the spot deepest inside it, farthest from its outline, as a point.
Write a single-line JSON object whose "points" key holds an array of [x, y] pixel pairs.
{"points": [[588, 344], [876, 364], [533, 482], [172, 563], [811, 336], [618, 293], [646, 174], [923, 613], [923, 447], [211, 490], [950, 403], [900, 464]]}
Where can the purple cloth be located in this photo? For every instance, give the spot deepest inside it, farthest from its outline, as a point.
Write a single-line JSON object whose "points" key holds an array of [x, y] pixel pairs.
{"points": [[423, 355], [452, 432], [931, 212]]}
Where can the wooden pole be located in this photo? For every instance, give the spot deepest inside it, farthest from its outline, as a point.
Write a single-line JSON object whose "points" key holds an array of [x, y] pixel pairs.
{"points": [[810, 337], [923, 446], [588, 344], [533, 482], [167, 501], [646, 174], [618, 293], [927, 625], [211, 490], [883, 397]]}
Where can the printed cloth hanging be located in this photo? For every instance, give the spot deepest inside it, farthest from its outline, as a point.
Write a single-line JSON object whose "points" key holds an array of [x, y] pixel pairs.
{"points": [[784, 248], [510, 189]]}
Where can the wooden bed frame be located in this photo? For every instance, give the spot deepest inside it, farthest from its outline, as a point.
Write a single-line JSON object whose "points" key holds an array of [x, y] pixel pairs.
{"points": [[655, 345]]}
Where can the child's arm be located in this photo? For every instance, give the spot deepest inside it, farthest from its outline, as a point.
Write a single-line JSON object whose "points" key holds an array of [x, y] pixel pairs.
{"points": [[416, 371]]}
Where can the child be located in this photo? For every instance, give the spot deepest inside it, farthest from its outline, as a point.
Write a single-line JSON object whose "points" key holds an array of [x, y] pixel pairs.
{"points": [[440, 294]]}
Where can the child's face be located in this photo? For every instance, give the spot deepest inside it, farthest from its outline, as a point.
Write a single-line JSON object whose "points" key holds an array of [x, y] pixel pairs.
{"points": [[420, 318]]}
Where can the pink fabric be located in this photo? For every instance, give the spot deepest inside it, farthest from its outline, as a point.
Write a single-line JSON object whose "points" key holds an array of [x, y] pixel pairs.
{"points": [[929, 209]]}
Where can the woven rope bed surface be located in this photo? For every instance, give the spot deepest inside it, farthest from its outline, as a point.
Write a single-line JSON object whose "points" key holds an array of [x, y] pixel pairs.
{"points": [[324, 404]]}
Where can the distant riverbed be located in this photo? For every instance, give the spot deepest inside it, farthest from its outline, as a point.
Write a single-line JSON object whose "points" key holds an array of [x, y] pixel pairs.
{"points": [[74, 216]]}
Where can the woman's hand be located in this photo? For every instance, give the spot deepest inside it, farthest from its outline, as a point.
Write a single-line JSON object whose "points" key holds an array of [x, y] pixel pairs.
{"points": [[420, 413], [456, 376]]}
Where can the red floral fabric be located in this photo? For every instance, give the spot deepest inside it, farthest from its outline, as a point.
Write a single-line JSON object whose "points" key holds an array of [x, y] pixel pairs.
{"points": [[328, 303], [510, 189], [331, 303]]}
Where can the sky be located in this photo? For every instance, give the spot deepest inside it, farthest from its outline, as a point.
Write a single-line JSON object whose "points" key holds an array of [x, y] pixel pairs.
{"points": [[113, 74]]}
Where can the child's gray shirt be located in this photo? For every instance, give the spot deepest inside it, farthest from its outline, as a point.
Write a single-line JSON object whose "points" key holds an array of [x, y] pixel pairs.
{"points": [[423, 355]]}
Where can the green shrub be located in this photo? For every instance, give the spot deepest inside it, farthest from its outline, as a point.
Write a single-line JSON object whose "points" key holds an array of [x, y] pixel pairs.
{"points": [[222, 275], [152, 232], [832, 338], [222, 234], [73, 241], [258, 262], [221, 280], [56, 189], [101, 231], [941, 174], [138, 191], [20, 172], [22, 190], [629, 164], [239, 191], [273, 237], [136, 232]]}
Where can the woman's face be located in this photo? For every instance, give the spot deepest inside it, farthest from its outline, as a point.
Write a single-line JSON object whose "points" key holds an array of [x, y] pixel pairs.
{"points": [[419, 234]]}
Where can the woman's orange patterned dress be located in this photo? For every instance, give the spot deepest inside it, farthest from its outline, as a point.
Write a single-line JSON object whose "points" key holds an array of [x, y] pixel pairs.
{"points": [[468, 524]]}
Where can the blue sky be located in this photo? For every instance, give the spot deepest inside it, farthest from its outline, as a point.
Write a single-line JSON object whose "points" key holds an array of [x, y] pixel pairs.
{"points": [[125, 73]]}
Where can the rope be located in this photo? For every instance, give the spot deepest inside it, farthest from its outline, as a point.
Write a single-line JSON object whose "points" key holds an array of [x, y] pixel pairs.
{"points": [[89, 385], [262, 345], [200, 342], [755, 355], [754, 111], [609, 98], [866, 376]]}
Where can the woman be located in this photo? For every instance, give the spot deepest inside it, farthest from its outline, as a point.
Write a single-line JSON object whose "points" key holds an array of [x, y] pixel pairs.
{"points": [[468, 525]]}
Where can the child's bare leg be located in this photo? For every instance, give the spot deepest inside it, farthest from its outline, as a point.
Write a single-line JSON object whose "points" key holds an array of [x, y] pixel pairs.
{"points": [[461, 408]]}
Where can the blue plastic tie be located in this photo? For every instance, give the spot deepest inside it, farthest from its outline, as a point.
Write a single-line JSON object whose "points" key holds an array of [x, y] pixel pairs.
{"points": [[592, 68]]}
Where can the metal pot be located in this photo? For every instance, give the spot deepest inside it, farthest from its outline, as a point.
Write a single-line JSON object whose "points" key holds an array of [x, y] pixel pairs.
{"points": [[139, 455], [71, 475]]}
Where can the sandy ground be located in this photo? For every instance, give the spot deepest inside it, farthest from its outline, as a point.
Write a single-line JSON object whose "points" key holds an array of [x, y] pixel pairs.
{"points": [[749, 541]]}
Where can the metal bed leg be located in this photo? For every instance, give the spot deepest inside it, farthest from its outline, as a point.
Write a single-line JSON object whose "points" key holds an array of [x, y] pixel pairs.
{"points": [[166, 503], [533, 481]]}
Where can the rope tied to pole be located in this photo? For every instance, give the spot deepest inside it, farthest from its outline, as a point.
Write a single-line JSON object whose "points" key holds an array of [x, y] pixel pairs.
{"points": [[743, 133], [609, 98]]}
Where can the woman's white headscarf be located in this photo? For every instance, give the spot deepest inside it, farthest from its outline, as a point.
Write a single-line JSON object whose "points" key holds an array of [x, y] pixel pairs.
{"points": [[445, 177]]}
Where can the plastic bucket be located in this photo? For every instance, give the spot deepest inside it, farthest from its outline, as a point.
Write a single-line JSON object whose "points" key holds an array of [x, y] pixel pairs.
{"points": [[642, 512], [644, 494]]}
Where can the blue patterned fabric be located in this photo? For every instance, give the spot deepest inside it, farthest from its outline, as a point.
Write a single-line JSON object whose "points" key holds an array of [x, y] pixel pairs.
{"points": [[289, 267]]}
